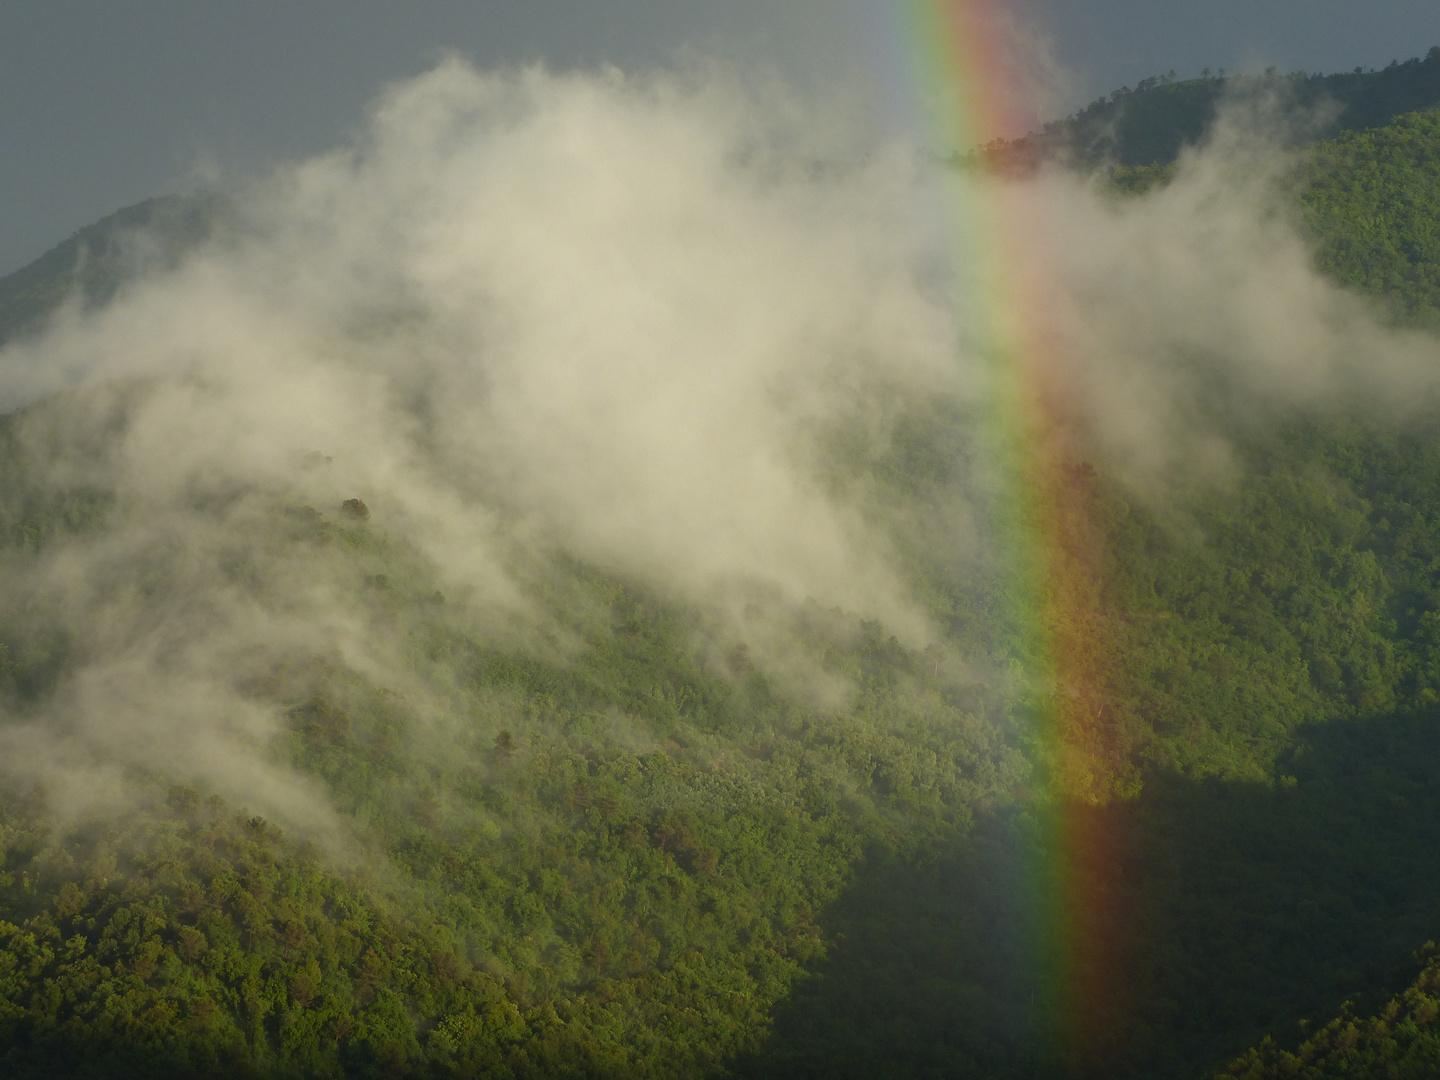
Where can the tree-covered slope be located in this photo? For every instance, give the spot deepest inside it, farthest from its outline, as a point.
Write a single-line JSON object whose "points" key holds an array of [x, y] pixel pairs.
{"points": [[1153, 122], [612, 838], [1367, 203], [90, 266], [609, 863], [1370, 199], [1398, 1040]]}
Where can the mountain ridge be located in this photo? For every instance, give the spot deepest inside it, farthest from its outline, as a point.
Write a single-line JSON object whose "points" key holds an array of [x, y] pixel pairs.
{"points": [[627, 846], [1150, 124]]}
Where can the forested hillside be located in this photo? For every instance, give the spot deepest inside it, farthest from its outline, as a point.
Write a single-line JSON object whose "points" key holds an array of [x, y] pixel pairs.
{"points": [[89, 267], [1151, 123], [626, 845], [1399, 1040]]}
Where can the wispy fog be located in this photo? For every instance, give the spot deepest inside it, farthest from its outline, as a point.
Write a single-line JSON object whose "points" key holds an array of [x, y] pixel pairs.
{"points": [[633, 319], [1194, 311]]}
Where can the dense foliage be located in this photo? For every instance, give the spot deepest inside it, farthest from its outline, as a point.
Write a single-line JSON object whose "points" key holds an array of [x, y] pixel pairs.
{"points": [[607, 862], [1152, 123], [89, 267], [1370, 198], [629, 856], [1399, 1040]]}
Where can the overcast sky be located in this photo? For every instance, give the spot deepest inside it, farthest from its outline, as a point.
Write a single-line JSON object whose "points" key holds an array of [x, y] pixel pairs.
{"points": [[106, 102]]}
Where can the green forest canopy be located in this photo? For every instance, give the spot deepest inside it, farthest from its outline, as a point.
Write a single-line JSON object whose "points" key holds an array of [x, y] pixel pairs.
{"points": [[771, 889], [1151, 123]]}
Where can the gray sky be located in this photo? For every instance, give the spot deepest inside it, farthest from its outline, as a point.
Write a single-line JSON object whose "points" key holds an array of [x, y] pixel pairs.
{"points": [[106, 102]]}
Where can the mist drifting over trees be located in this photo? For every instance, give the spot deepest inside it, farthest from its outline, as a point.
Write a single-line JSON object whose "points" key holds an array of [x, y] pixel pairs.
{"points": [[524, 593]]}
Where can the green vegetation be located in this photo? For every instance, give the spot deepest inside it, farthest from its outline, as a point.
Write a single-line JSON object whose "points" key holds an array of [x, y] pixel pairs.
{"points": [[92, 265], [1368, 202], [608, 863], [1152, 123], [1399, 1040], [617, 853], [1246, 907], [1370, 198]]}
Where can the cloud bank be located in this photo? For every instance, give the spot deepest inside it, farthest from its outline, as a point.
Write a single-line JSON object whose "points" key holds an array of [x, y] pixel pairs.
{"points": [[620, 317], [614, 316], [1169, 324]]}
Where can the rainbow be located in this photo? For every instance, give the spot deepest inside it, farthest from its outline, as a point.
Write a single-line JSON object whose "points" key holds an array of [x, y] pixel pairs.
{"points": [[1067, 639]]}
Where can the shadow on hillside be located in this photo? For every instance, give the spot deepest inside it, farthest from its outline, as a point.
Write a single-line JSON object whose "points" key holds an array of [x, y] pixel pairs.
{"points": [[1246, 908], [932, 971]]}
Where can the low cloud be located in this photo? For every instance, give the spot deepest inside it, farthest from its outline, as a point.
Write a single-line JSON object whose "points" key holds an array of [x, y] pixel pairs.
{"points": [[524, 312], [1175, 321], [627, 318]]}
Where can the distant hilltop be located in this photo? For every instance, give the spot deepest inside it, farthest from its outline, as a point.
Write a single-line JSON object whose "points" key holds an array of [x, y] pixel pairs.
{"points": [[97, 259], [1152, 123]]}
